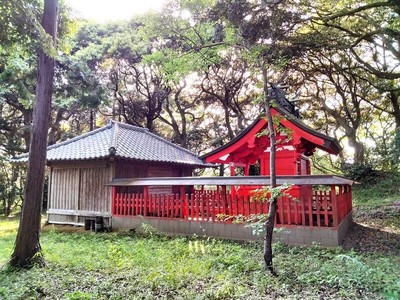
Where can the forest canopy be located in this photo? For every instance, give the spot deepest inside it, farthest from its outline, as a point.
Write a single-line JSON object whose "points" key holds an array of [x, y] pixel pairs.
{"points": [[190, 73]]}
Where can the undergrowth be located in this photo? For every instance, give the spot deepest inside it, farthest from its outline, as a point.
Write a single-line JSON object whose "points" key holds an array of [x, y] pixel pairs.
{"points": [[85, 265], [378, 190]]}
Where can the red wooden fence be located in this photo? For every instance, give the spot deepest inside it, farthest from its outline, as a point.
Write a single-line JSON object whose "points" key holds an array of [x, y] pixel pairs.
{"points": [[323, 209]]}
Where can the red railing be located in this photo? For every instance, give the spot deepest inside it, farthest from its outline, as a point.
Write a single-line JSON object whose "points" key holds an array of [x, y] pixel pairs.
{"points": [[322, 209]]}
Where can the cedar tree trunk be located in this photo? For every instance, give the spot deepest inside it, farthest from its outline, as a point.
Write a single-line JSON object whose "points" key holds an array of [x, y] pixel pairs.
{"points": [[269, 224], [27, 248]]}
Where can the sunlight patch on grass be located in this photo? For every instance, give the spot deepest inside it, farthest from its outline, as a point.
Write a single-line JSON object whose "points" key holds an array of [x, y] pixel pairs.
{"points": [[88, 265], [8, 225]]}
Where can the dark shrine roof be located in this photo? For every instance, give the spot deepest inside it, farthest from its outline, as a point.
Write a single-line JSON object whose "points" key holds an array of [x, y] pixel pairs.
{"points": [[121, 141], [319, 140], [233, 180]]}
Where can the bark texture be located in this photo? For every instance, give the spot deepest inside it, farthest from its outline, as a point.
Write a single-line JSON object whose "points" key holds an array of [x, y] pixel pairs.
{"points": [[270, 223], [27, 248]]}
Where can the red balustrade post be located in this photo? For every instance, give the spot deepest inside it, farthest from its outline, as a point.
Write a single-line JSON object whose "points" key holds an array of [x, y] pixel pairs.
{"points": [[310, 208], [349, 199], [123, 204], [325, 205], [186, 207], [193, 205], [135, 204], [279, 211], [296, 211], [182, 202], [201, 206], [157, 200], [113, 200], [214, 205], [303, 207], [145, 199], [223, 205], [334, 207], [208, 199]]}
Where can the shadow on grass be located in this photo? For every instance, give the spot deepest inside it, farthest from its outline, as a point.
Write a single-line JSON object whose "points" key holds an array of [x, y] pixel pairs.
{"points": [[364, 238]]}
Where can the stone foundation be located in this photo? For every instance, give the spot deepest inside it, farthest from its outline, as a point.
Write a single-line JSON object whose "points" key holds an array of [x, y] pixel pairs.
{"points": [[292, 235]]}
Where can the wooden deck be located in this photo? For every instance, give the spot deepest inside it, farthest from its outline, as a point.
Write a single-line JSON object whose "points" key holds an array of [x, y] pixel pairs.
{"points": [[320, 208]]}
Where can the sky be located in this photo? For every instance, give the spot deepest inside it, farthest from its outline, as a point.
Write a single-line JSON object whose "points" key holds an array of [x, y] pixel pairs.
{"points": [[111, 10]]}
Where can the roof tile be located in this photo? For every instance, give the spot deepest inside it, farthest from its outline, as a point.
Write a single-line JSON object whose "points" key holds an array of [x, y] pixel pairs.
{"points": [[130, 142]]}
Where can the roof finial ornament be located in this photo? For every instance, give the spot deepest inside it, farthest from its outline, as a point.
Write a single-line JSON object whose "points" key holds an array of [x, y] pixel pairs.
{"points": [[278, 94], [112, 152]]}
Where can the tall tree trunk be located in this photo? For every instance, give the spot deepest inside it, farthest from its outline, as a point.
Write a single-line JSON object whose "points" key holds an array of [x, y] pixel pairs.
{"points": [[394, 97], [269, 224], [359, 148], [27, 248]]}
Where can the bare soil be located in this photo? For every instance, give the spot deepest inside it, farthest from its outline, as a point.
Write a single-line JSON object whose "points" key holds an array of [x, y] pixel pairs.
{"points": [[375, 230]]}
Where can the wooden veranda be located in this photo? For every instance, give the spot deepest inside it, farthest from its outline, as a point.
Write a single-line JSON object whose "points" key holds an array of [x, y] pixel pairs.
{"points": [[325, 200]]}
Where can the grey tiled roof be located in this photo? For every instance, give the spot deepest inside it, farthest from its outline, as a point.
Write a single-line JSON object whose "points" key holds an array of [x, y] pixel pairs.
{"points": [[129, 142]]}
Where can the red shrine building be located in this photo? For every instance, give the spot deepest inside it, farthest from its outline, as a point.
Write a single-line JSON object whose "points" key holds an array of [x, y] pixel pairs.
{"points": [[295, 143], [318, 209], [130, 176]]}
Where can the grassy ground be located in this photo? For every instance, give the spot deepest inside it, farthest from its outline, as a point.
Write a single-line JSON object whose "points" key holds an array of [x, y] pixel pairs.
{"points": [[85, 265], [377, 191]]}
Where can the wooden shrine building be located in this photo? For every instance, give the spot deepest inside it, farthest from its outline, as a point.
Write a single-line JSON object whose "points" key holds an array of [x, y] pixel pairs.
{"points": [[318, 210], [81, 167], [296, 142], [130, 176]]}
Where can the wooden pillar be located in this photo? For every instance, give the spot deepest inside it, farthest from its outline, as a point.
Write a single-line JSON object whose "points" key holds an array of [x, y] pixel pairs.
{"points": [[232, 169], [182, 202], [146, 199], [350, 199], [334, 207], [224, 204], [246, 169], [113, 200]]}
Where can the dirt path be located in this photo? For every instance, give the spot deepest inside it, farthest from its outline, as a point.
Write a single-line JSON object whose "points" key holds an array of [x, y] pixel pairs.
{"points": [[375, 230]]}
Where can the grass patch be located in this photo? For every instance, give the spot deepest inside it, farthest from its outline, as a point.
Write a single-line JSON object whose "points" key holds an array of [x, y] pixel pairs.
{"points": [[8, 225], [85, 265], [382, 189]]}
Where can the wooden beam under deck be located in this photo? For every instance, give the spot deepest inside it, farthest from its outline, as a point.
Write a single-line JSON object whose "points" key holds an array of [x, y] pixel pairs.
{"points": [[233, 180]]}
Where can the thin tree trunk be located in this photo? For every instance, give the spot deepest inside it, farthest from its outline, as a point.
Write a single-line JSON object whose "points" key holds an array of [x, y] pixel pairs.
{"points": [[269, 224], [27, 248]]}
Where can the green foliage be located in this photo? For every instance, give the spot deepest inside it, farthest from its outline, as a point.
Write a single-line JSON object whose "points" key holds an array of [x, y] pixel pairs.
{"points": [[394, 154], [376, 191], [360, 172], [269, 194], [86, 265], [78, 295]]}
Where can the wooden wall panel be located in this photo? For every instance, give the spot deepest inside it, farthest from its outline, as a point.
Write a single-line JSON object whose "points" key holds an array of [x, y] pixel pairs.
{"points": [[64, 192], [130, 169], [94, 195], [78, 188], [163, 171]]}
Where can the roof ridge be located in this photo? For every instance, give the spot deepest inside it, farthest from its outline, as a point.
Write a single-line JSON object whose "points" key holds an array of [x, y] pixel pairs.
{"points": [[114, 134], [147, 131], [137, 128], [68, 141], [171, 143], [79, 137], [120, 140]]}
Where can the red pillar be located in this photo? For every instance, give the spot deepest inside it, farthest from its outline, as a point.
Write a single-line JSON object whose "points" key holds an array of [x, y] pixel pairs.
{"points": [[334, 207], [113, 200]]}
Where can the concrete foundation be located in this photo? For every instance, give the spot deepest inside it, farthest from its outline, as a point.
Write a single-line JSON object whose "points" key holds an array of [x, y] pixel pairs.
{"points": [[293, 235]]}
